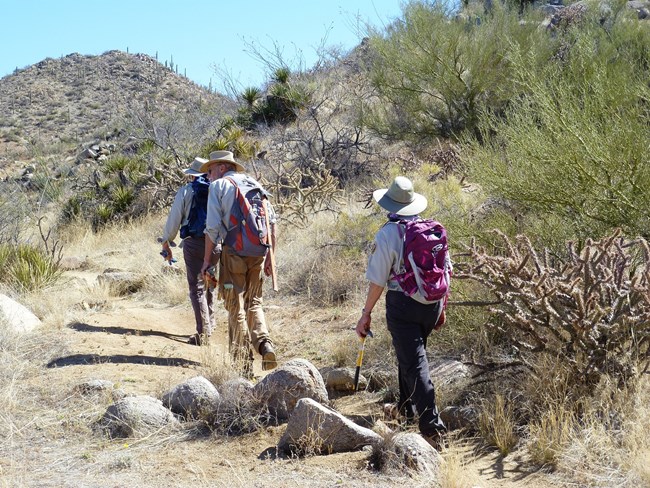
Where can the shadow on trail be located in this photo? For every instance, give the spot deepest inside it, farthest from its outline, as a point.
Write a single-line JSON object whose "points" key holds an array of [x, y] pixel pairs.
{"points": [[89, 359], [82, 327]]}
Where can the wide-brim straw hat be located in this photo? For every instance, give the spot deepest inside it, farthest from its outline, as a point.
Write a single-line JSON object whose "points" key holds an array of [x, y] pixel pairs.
{"points": [[400, 198], [195, 167], [222, 157]]}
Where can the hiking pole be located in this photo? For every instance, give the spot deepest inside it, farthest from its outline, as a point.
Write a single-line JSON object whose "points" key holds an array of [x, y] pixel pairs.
{"points": [[274, 275], [362, 348]]}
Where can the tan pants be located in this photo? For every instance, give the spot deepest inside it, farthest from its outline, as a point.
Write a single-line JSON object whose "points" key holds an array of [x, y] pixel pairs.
{"points": [[241, 281]]}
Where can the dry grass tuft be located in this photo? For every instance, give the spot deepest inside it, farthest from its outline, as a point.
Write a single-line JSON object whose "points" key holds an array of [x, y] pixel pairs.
{"points": [[550, 434], [497, 424], [455, 471], [612, 446]]}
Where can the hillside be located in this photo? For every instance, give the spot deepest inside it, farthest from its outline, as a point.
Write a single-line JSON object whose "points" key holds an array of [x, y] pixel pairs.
{"points": [[62, 103]]}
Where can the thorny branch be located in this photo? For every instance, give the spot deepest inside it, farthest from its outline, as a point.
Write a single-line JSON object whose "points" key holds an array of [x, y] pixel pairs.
{"points": [[591, 308]]}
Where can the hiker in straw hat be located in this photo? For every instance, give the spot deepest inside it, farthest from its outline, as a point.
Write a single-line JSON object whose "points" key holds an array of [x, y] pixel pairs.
{"points": [[188, 215], [244, 256], [409, 319]]}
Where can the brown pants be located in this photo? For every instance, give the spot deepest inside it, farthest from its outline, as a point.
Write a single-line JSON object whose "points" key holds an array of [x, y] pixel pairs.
{"points": [[241, 281]]}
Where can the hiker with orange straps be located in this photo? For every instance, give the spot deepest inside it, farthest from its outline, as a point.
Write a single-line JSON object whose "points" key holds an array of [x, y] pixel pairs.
{"points": [[241, 225]]}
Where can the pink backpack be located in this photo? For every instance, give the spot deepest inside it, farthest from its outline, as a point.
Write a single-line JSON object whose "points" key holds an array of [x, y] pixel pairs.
{"points": [[426, 267]]}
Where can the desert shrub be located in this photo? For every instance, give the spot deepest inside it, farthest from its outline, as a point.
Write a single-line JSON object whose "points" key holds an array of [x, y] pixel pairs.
{"points": [[28, 268], [590, 308], [331, 266], [569, 146], [435, 73]]}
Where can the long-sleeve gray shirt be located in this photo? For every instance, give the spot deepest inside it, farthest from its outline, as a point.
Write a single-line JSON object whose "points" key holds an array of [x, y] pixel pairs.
{"points": [[220, 201], [179, 213]]}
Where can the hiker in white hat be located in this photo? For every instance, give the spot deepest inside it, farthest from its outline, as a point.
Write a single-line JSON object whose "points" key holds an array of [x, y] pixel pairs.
{"points": [[241, 226], [188, 215], [409, 319]]}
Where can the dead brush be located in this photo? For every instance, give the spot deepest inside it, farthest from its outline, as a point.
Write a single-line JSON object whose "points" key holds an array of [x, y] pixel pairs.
{"points": [[310, 444], [590, 309], [384, 457]]}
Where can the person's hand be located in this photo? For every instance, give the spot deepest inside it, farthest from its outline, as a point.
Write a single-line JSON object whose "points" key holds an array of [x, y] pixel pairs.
{"points": [[267, 266], [363, 325], [166, 252], [204, 268]]}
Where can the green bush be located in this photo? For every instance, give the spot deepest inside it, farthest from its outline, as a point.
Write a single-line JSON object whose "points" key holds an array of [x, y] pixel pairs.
{"points": [[435, 74], [572, 145]]}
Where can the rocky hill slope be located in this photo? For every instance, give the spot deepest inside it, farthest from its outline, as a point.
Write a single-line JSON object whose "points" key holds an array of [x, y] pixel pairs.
{"points": [[67, 101]]}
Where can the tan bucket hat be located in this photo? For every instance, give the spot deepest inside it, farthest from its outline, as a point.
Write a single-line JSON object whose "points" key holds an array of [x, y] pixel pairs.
{"points": [[222, 157], [400, 198], [195, 167]]}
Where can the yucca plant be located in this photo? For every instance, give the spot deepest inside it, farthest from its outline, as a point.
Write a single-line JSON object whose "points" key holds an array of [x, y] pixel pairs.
{"points": [[281, 75], [30, 268], [122, 197], [251, 95]]}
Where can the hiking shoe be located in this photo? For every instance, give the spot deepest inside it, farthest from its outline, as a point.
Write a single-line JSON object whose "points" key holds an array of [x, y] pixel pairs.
{"points": [[391, 412], [197, 340], [268, 356], [436, 440]]}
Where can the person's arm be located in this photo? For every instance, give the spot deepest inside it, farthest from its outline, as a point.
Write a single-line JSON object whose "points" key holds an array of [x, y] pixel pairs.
{"points": [[374, 293], [174, 221]]}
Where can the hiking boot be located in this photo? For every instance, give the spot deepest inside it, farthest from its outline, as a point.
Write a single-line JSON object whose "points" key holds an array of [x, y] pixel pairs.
{"points": [[268, 356], [436, 440], [198, 340]]}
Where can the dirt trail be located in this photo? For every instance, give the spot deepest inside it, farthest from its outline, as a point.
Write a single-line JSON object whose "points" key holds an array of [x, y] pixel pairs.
{"points": [[142, 347]]}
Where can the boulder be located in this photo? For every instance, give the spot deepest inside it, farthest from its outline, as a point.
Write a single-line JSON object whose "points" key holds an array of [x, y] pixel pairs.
{"points": [[459, 417], [281, 389], [448, 372], [342, 379], [192, 398], [73, 262], [314, 428], [416, 453], [136, 416], [121, 282], [17, 316]]}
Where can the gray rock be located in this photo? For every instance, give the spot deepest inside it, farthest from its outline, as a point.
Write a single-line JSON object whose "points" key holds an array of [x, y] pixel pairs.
{"points": [[448, 372], [314, 428], [192, 399], [237, 388], [455, 417], [341, 379], [281, 389], [87, 154], [73, 262], [91, 387], [136, 416], [16, 316], [121, 282], [416, 453]]}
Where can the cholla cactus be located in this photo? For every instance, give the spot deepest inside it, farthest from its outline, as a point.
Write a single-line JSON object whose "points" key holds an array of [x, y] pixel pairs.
{"points": [[591, 309]]}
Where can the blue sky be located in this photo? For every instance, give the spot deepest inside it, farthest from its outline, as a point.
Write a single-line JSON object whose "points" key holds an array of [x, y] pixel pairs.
{"points": [[197, 34]]}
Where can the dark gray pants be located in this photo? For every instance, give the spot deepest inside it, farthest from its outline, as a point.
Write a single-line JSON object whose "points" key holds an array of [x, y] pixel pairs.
{"points": [[410, 323], [193, 251]]}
